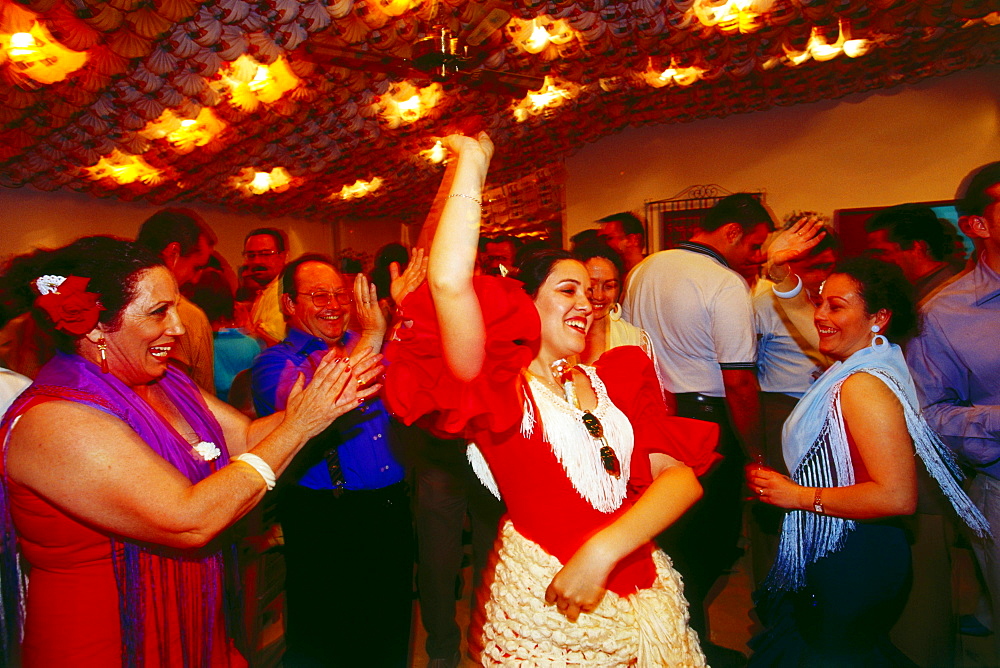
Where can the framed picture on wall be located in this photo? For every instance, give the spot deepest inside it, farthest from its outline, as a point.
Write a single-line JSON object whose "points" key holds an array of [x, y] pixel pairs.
{"points": [[850, 224]]}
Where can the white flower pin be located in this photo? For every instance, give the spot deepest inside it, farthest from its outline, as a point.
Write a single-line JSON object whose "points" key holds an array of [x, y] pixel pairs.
{"points": [[207, 450], [49, 283]]}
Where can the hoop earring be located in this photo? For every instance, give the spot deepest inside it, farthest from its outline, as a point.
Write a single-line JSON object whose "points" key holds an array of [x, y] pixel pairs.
{"points": [[879, 343], [102, 348]]}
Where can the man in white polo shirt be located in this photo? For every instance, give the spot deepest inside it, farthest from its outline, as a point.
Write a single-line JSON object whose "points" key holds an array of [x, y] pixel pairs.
{"points": [[696, 308]]}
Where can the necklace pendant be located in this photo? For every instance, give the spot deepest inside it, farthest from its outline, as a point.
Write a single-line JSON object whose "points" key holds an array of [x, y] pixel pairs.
{"points": [[610, 461]]}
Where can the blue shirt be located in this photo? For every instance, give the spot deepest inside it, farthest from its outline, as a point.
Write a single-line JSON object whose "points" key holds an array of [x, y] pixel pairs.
{"points": [[955, 362], [234, 352], [786, 361], [360, 436]]}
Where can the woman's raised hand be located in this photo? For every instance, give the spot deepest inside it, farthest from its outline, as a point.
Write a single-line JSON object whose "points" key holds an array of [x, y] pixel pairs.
{"points": [[796, 241], [462, 145]]}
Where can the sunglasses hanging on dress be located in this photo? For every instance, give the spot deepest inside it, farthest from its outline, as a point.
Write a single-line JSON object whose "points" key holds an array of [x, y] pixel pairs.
{"points": [[563, 374]]}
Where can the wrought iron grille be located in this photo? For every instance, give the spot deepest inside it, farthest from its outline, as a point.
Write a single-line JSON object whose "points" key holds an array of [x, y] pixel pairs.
{"points": [[676, 219]]}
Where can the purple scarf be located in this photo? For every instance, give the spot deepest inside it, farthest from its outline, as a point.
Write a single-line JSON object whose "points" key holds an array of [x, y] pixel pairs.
{"points": [[72, 378]]}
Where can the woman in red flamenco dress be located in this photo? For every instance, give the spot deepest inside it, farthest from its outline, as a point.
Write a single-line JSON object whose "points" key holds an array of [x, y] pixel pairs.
{"points": [[586, 459]]}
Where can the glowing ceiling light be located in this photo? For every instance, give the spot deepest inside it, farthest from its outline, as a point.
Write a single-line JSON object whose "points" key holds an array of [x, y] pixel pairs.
{"points": [[855, 48], [681, 76], [123, 169], [261, 183], [537, 40], [255, 182], [548, 97], [23, 47], [248, 83], [435, 154], [38, 56], [731, 15], [185, 134], [261, 79], [404, 103], [534, 36], [358, 189]]}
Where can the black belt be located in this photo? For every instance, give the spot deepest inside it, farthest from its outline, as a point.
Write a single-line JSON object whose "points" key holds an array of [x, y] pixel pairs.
{"points": [[699, 398], [702, 407]]}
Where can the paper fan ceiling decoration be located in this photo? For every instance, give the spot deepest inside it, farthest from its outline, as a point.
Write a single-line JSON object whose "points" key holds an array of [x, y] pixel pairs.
{"points": [[280, 106]]}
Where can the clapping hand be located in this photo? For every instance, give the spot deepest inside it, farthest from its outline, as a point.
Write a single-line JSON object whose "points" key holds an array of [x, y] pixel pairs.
{"points": [[331, 393], [411, 278], [366, 306]]}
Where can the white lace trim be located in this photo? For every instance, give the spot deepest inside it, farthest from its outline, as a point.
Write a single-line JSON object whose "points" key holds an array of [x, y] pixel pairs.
{"points": [[574, 447]]}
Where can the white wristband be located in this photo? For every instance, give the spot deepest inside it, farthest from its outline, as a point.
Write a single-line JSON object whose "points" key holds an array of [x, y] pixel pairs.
{"points": [[794, 292], [260, 466]]}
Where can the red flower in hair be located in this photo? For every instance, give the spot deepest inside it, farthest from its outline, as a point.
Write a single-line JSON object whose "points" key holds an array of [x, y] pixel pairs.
{"points": [[72, 309]]}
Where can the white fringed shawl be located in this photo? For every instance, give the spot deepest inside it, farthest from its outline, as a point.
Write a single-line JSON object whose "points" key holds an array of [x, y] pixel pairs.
{"points": [[578, 452], [817, 452]]}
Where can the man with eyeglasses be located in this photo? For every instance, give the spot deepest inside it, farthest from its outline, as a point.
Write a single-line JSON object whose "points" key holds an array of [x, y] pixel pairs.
{"points": [[344, 509], [265, 252]]}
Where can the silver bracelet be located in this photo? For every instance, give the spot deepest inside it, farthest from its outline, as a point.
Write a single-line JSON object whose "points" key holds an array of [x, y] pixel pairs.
{"points": [[794, 292], [474, 199], [260, 466]]}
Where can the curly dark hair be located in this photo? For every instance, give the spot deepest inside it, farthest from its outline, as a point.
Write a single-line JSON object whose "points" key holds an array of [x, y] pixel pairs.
{"points": [[882, 286], [536, 266], [113, 266]]}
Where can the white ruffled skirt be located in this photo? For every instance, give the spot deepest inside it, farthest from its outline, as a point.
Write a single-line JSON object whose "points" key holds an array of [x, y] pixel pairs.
{"points": [[517, 628]]}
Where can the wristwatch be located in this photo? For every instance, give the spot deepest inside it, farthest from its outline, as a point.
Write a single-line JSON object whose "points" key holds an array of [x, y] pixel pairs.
{"points": [[818, 501]]}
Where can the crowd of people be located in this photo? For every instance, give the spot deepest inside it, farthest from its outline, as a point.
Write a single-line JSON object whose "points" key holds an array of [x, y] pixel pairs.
{"points": [[612, 426]]}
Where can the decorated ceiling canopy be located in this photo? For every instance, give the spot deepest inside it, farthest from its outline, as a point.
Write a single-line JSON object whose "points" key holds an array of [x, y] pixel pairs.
{"points": [[320, 108]]}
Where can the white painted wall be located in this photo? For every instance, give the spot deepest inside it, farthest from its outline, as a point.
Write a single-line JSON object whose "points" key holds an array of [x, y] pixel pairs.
{"points": [[911, 143], [31, 219]]}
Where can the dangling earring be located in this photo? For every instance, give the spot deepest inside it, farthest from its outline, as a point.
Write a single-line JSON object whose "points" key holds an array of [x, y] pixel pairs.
{"points": [[102, 347], [879, 342]]}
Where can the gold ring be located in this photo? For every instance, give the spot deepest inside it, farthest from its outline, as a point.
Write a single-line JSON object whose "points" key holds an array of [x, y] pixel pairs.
{"points": [[760, 492]]}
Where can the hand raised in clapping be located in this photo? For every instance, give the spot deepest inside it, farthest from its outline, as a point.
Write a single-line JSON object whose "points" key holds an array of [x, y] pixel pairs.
{"points": [[337, 387], [366, 307]]}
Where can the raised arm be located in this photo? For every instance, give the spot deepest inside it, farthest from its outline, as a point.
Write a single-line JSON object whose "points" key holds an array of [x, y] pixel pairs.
{"points": [[453, 259], [877, 429]]}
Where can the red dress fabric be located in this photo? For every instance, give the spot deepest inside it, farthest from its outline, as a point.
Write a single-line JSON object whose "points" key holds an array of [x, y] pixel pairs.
{"points": [[72, 614], [540, 498], [72, 603]]}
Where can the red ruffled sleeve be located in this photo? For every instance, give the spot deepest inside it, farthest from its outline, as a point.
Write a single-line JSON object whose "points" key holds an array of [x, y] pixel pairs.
{"points": [[630, 377], [419, 384]]}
